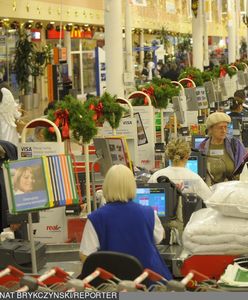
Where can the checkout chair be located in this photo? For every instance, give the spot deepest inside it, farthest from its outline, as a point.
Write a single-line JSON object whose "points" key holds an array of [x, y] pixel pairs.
{"points": [[123, 266]]}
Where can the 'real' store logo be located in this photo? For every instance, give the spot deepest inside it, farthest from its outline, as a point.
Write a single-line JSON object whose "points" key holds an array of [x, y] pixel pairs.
{"points": [[54, 228]]}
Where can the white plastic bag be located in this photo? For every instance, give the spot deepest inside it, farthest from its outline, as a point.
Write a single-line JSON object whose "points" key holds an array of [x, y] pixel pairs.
{"points": [[230, 198], [244, 174]]}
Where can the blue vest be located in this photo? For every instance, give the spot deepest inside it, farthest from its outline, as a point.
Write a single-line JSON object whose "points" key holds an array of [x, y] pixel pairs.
{"points": [[128, 228]]}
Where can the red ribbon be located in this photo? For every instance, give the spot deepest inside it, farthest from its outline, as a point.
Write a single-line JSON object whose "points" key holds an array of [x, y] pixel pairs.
{"points": [[98, 110], [222, 72], [189, 83], [62, 121], [149, 92]]}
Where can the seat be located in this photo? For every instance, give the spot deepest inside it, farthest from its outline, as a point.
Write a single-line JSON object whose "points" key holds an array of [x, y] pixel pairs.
{"points": [[123, 266]]}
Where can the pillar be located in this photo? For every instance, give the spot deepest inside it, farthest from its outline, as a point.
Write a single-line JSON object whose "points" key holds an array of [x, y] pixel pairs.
{"points": [[231, 28], [197, 35], [205, 45], [142, 53], [67, 41], [237, 17], [113, 47]]}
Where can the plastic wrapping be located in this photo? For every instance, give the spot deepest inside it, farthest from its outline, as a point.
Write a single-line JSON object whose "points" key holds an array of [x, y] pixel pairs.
{"points": [[209, 232], [230, 198]]}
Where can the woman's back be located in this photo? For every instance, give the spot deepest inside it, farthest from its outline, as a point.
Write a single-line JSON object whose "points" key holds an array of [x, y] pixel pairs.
{"points": [[186, 180]]}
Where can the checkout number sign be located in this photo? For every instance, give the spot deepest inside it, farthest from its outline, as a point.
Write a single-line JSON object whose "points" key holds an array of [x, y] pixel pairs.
{"points": [[145, 136]]}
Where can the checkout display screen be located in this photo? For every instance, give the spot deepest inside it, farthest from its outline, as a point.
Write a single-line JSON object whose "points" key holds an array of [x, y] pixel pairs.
{"points": [[192, 164], [154, 197]]}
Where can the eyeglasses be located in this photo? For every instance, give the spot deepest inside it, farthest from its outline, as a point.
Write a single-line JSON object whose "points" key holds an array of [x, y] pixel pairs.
{"points": [[221, 128]]}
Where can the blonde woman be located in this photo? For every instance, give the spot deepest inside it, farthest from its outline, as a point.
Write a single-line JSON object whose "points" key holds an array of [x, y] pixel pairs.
{"points": [[123, 225], [178, 152]]}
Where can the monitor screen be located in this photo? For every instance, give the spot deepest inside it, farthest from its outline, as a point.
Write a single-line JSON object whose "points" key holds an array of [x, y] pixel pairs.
{"points": [[192, 164], [197, 140], [153, 195]]}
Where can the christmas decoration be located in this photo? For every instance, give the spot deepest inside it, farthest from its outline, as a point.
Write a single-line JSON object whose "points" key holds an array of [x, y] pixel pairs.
{"points": [[193, 74], [207, 76], [79, 120], [222, 70], [239, 65], [105, 108], [82, 118], [159, 90]]}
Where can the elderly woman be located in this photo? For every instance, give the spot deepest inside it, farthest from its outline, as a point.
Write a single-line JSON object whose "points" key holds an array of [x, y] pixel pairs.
{"points": [[225, 154], [124, 226], [178, 152]]}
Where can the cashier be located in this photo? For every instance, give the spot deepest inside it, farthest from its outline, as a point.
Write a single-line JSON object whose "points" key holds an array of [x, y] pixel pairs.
{"points": [[225, 154], [178, 152], [124, 226]]}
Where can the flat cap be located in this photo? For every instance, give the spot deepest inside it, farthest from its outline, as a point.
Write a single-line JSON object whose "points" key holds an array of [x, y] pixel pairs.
{"points": [[217, 117]]}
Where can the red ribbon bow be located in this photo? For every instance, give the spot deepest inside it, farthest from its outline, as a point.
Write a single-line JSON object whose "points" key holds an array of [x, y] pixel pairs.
{"points": [[189, 83], [222, 72], [98, 110], [149, 92], [62, 121]]}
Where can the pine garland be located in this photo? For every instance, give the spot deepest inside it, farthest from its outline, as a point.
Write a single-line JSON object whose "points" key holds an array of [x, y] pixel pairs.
{"points": [[193, 74], [107, 109], [83, 118], [160, 91], [81, 121], [223, 68]]}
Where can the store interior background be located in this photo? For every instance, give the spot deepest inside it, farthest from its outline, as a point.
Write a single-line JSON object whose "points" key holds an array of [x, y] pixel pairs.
{"points": [[171, 19]]}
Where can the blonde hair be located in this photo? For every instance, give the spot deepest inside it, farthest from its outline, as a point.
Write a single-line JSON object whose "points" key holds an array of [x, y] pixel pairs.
{"points": [[177, 150], [119, 184], [17, 176]]}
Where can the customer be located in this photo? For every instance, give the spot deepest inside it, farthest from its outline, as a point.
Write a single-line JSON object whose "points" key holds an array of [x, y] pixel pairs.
{"points": [[23, 180], [236, 105], [123, 225], [178, 152], [225, 154]]}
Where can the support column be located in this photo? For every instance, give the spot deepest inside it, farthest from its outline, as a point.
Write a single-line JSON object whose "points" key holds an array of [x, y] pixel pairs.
{"points": [[113, 47], [205, 47], [142, 54], [67, 41], [231, 31], [237, 17], [197, 35], [128, 38], [129, 70]]}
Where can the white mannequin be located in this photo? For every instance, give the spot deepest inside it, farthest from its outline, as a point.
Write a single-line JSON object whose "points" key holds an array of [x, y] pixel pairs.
{"points": [[9, 113]]}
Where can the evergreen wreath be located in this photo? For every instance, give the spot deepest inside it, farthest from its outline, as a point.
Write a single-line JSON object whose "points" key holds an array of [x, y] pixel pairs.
{"points": [[106, 108], [159, 90], [222, 70], [207, 76], [239, 65], [193, 74], [80, 120]]}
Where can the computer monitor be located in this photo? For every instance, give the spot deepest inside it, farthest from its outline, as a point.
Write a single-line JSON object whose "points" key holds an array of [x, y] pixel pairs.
{"points": [[202, 163], [192, 164], [197, 140], [157, 195]]}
